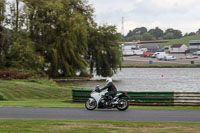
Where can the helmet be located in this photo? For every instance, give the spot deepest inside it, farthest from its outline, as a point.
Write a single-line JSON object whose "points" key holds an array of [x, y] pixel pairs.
{"points": [[108, 80]]}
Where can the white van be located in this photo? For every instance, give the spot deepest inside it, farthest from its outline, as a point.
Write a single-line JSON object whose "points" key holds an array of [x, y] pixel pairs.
{"points": [[127, 52], [137, 52], [154, 54], [197, 52], [161, 55]]}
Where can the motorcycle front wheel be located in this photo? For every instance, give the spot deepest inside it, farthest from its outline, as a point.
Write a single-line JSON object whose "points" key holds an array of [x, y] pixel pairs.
{"points": [[122, 104], [91, 104]]}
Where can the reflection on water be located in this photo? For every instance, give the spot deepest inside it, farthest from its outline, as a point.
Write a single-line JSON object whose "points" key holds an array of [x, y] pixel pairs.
{"points": [[149, 79]]}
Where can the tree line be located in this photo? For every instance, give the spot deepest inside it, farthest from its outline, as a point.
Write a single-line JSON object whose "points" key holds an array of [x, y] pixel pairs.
{"points": [[143, 34], [58, 37]]}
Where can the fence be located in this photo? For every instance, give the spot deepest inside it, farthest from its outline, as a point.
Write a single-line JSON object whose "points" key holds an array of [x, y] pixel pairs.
{"points": [[149, 98]]}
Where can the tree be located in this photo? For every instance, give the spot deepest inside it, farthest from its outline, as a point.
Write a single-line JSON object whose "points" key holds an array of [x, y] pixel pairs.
{"points": [[137, 31], [169, 36], [2, 11], [2, 34], [134, 38], [176, 33], [147, 36], [54, 34], [104, 51], [191, 34], [186, 34], [22, 54], [17, 15], [59, 28], [157, 33], [17, 50], [198, 32]]}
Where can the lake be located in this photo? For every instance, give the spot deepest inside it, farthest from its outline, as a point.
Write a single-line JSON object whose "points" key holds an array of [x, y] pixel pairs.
{"points": [[148, 79]]}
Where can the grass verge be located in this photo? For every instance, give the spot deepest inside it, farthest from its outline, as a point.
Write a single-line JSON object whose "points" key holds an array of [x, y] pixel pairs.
{"points": [[63, 103], [62, 126]]}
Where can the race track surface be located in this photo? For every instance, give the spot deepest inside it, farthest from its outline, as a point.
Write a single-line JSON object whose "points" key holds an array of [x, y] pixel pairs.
{"points": [[83, 114]]}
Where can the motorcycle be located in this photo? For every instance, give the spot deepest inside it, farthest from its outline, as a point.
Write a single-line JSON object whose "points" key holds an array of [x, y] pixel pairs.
{"points": [[98, 99]]}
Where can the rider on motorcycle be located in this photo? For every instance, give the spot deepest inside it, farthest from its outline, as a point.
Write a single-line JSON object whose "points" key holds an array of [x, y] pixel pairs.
{"points": [[112, 91]]}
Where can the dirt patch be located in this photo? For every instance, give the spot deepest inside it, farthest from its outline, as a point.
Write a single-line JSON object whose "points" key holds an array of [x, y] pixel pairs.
{"points": [[69, 126]]}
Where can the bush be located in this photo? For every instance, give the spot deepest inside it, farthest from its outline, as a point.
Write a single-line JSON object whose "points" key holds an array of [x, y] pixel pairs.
{"points": [[13, 75]]}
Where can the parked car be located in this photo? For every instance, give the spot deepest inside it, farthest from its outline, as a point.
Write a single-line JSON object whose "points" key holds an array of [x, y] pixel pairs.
{"points": [[147, 54], [169, 57], [191, 57], [196, 53]]}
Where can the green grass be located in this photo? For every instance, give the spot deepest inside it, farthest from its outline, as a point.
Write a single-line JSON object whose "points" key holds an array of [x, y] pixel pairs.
{"points": [[184, 40], [36, 93], [63, 103], [55, 103], [32, 89], [66, 126]]}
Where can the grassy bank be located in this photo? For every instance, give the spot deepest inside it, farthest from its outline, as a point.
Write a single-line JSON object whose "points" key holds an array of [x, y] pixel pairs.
{"points": [[61, 126], [35, 93], [32, 89], [161, 66], [45, 93], [184, 40]]}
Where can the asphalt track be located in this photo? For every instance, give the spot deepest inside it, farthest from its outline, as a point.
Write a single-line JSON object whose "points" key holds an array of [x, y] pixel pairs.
{"points": [[114, 114]]}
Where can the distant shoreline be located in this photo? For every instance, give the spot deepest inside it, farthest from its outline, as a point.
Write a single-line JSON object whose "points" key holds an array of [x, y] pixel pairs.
{"points": [[161, 66]]}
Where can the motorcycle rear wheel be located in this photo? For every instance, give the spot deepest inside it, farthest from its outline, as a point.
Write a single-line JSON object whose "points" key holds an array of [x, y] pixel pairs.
{"points": [[122, 104], [91, 105]]}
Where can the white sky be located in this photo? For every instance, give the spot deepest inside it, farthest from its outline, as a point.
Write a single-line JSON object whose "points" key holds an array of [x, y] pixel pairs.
{"points": [[177, 14]]}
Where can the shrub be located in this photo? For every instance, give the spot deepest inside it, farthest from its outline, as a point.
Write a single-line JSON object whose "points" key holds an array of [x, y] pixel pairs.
{"points": [[13, 75]]}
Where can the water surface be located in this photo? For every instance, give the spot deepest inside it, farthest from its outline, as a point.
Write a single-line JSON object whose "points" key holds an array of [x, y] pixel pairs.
{"points": [[149, 79]]}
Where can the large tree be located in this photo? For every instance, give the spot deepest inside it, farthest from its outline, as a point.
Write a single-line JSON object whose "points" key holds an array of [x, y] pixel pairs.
{"points": [[2, 34], [147, 36], [16, 49], [2, 11], [176, 33], [137, 31], [59, 29], [198, 32], [64, 33], [104, 51], [157, 33]]}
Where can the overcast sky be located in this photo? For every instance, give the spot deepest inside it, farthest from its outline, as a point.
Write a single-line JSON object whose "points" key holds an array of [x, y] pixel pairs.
{"points": [[178, 14]]}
